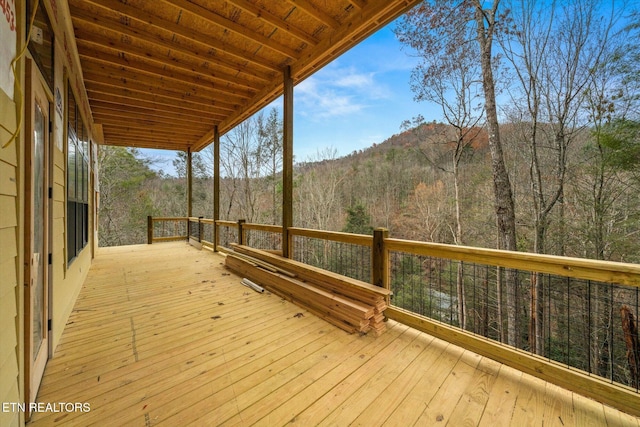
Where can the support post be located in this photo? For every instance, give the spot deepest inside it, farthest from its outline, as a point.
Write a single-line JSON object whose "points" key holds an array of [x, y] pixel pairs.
{"points": [[149, 229], [287, 162], [380, 259], [241, 231], [189, 185], [216, 185]]}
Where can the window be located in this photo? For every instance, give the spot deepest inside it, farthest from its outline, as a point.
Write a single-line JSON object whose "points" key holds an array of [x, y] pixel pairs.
{"points": [[77, 180]]}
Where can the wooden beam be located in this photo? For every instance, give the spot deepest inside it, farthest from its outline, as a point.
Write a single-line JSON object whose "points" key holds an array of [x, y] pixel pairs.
{"points": [[160, 142], [307, 7], [216, 184], [220, 82], [360, 4], [380, 259], [189, 184], [280, 24], [287, 162], [136, 82], [118, 141], [101, 93], [139, 93], [107, 111], [150, 134], [229, 25]]}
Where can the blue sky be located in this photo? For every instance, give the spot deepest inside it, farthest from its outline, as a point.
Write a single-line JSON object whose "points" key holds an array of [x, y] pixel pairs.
{"points": [[358, 100]]}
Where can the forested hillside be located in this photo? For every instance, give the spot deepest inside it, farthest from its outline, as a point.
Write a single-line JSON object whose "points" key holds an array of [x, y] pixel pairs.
{"points": [[404, 183]]}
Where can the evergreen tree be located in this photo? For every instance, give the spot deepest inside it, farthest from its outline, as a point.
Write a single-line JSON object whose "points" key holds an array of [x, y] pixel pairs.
{"points": [[358, 220]]}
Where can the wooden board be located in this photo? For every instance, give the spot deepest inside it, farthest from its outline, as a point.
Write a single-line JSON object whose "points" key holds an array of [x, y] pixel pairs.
{"points": [[349, 314]]}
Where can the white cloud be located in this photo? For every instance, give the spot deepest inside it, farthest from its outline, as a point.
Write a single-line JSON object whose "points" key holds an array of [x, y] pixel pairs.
{"points": [[322, 99], [337, 91], [356, 80]]}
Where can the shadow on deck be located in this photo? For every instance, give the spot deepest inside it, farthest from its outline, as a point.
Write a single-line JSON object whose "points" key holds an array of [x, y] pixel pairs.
{"points": [[165, 335]]}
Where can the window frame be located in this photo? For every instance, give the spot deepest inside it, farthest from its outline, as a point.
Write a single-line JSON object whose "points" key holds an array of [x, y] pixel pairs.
{"points": [[78, 170]]}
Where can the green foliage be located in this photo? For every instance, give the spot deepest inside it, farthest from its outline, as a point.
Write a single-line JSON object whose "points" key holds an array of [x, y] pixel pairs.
{"points": [[358, 220], [621, 138], [124, 201], [199, 169]]}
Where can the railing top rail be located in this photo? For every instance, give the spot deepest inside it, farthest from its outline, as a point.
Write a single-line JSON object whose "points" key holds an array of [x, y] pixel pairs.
{"points": [[581, 268], [169, 218], [263, 227], [354, 239], [226, 223]]}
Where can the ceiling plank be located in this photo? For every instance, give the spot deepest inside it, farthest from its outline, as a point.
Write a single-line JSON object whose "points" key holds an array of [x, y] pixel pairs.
{"points": [[238, 29], [175, 93], [124, 104], [169, 43], [145, 95], [360, 4], [159, 144], [315, 13], [109, 116], [196, 106], [149, 133], [279, 23], [106, 109], [130, 58], [104, 65]]}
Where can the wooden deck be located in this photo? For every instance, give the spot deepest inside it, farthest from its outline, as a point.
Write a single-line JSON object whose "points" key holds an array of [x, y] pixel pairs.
{"points": [[164, 335]]}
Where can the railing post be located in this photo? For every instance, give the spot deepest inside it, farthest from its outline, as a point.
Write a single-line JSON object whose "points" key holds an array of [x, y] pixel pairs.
{"points": [[287, 240], [216, 235], [380, 259], [241, 231], [287, 161], [200, 228], [149, 229]]}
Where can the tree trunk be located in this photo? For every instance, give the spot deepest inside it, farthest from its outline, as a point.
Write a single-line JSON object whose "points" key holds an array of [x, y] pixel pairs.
{"points": [[633, 345], [504, 206], [462, 305]]}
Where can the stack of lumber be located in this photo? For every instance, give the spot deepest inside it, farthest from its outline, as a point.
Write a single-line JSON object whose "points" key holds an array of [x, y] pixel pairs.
{"points": [[350, 304]]}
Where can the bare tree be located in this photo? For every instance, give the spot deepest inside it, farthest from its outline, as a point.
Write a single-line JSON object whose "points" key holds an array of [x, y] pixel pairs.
{"points": [[270, 151], [553, 49], [241, 161], [453, 84], [318, 199], [439, 29]]}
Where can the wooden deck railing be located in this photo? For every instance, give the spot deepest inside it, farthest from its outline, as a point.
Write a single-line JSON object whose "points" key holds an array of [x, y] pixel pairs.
{"points": [[481, 299], [167, 229]]}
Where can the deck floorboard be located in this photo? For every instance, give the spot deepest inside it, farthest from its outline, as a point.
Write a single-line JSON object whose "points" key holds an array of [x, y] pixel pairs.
{"points": [[165, 335]]}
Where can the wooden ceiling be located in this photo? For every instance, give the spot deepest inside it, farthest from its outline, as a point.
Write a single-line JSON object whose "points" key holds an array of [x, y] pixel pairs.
{"points": [[163, 73]]}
